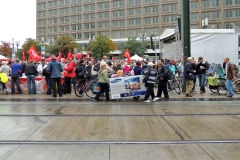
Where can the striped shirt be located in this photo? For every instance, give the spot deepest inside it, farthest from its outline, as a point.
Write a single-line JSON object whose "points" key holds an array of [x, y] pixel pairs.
{"points": [[152, 76]]}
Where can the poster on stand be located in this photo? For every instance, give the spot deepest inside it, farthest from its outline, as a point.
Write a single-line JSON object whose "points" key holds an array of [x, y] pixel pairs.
{"points": [[131, 86]]}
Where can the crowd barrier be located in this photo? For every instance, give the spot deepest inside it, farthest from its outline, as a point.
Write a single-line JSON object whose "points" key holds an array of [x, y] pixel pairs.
{"points": [[41, 85]]}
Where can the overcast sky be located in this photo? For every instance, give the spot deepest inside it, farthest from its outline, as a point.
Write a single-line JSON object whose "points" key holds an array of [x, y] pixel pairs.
{"points": [[18, 20]]}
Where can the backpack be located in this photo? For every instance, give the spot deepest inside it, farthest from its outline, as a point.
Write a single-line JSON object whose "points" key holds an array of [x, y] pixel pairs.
{"points": [[96, 67], [44, 72], [146, 76], [235, 68], [169, 74]]}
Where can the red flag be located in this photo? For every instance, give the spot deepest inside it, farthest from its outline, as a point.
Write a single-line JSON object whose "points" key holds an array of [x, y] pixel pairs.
{"points": [[23, 56], [33, 54], [70, 56], [30, 57], [87, 55], [48, 59], [127, 55], [59, 56]]}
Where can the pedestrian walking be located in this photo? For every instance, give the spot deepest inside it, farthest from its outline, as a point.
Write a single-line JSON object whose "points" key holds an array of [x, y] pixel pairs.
{"points": [[162, 80], [230, 76], [55, 68], [103, 81], [188, 75], [31, 72], [150, 82]]}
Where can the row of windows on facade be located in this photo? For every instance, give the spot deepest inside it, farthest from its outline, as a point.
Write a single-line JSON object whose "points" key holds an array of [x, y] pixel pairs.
{"points": [[92, 6], [121, 33], [130, 32], [130, 12], [120, 23], [166, 8]]}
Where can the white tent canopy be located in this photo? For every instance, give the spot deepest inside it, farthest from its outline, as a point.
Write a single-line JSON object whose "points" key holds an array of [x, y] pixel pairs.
{"points": [[136, 58], [3, 58]]}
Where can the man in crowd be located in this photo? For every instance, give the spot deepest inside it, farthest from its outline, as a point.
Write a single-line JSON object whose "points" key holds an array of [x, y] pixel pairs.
{"points": [[15, 77], [150, 82], [69, 73], [55, 68], [31, 72], [188, 75], [230, 76], [40, 67], [202, 67], [163, 79]]}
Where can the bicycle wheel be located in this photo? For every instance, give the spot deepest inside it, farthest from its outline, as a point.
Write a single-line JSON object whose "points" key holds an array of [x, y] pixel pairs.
{"points": [[79, 89], [89, 90], [177, 88], [236, 87], [222, 90]]}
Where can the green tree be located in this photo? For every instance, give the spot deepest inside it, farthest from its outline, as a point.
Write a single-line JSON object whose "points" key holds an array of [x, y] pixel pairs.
{"points": [[31, 42], [65, 44], [134, 47], [101, 46]]}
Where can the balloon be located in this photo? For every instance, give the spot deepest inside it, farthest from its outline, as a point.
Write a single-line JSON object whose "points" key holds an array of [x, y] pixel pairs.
{"points": [[79, 55]]}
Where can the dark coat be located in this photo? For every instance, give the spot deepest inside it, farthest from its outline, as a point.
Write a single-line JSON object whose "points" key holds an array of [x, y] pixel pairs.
{"points": [[188, 71]]}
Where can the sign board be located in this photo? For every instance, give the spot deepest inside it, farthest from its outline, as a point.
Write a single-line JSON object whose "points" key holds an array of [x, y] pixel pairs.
{"points": [[42, 52], [42, 48], [131, 86]]}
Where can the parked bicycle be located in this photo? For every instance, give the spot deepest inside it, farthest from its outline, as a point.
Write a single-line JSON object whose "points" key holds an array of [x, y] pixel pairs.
{"points": [[174, 85]]}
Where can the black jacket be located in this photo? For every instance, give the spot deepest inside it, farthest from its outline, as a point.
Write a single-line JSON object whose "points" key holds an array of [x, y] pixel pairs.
{"points": [[202, 71], [31, 69], [162, 73], [188, 71]]}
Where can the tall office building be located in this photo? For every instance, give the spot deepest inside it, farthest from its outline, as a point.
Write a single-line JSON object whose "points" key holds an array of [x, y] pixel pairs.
{"points": [[119, 19]]}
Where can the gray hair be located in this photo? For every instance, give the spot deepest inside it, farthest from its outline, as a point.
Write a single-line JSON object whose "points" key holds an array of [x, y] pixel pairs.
{"points": [[190, 58]]}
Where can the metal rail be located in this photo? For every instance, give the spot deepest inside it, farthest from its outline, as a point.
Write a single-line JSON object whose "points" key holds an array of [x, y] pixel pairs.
{"points": [[118, 142]]}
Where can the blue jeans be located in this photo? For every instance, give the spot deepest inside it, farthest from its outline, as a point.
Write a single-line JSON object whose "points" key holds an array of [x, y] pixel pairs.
{"points": [[229, 86], [202, 82], [49, 85], [31, 84]]}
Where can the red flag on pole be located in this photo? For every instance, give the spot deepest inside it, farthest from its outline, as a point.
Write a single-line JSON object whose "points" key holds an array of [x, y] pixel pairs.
{"points": [[127, 55], [33, 54], [23, 56]]}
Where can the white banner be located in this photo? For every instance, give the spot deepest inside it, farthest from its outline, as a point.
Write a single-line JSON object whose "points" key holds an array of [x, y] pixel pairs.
{"points": [[131, 86]]}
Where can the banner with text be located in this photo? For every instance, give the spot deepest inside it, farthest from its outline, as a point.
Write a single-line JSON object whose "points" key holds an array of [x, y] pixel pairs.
{"points": [[131, 86]]}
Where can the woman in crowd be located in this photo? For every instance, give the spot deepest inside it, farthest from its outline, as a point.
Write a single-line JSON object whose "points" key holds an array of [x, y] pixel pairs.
{"points": [[103, 81]]}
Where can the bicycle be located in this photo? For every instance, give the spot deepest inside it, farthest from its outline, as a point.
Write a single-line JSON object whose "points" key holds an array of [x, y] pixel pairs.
{"points": [[174, 85], [91, 89], [218, 84], [79, 88]]}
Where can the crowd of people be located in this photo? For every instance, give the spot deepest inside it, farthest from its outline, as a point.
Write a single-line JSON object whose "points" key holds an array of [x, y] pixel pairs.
{"points": [[158, 72]]}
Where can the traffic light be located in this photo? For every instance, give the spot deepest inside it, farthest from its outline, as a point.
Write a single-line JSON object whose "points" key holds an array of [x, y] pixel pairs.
{"points": [[151, 41]]}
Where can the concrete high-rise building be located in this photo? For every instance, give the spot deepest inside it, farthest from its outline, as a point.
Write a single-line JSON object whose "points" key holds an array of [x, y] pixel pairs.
{"points": [[119, 19]]}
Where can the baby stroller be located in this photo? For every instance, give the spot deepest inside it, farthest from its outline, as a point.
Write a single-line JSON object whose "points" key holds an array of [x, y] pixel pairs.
{"points": [[3, 82]]}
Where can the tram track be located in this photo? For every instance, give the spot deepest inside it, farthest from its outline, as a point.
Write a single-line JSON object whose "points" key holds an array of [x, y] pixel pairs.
{"points": [[116, 115], [27, 142]]}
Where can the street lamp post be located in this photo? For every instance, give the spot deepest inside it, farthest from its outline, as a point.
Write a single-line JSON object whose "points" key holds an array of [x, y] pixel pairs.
{"points": [[142, 37], [43, 47], [205, 23], [13, 54]]}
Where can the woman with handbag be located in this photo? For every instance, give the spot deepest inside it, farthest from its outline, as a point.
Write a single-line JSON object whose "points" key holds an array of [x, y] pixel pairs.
{"points": [[103, 81]]}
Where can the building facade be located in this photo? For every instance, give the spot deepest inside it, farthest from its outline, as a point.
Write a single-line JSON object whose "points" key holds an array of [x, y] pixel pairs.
{"points": [[119, 19]]}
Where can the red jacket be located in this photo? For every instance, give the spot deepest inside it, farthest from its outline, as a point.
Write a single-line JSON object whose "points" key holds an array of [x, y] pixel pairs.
{"points": [[69, 70]]}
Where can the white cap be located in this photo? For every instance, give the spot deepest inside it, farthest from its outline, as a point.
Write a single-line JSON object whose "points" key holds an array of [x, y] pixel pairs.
{"points": [[151, 64]]}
